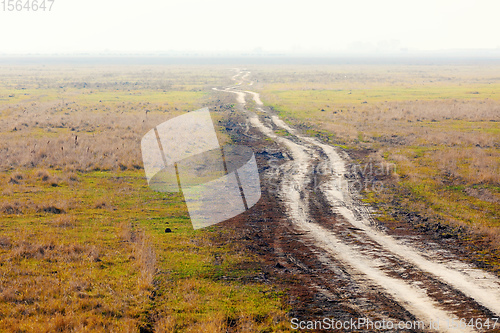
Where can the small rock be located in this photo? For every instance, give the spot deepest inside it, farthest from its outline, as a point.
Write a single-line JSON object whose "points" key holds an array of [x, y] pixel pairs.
{"points": [[168, 230]]}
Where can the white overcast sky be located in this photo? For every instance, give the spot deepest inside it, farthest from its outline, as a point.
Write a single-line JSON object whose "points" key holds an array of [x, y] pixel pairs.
{"points": [[95, 26]]}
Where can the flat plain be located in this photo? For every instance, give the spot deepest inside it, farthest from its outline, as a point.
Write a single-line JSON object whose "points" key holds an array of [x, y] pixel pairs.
{"points": [[83, 245], [436, 126]]}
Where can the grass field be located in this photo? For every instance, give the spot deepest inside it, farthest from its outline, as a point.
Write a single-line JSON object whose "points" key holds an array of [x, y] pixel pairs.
{"points": [[439, 126], [83, 245]]}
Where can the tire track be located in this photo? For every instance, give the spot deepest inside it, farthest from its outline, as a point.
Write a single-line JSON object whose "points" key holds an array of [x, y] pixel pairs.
{"points": [[419, 282]]}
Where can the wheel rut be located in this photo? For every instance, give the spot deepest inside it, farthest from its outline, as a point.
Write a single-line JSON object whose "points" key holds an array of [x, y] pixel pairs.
{"points": [[349, 259]]}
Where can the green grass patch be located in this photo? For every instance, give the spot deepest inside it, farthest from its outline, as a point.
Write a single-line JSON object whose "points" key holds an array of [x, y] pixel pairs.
{"points": [[197, 276]]}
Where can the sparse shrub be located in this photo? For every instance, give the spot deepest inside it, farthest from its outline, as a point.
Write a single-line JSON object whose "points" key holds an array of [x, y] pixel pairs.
{"points": [[16, 178], [46, 177], [5, 242], [94, 254], [50, 209], [43, 175], [28, 250], [7, 191], [125, 231], [54, 182], [101, 203], [61, 323], [80, 285], [11, 208], [54, 205], [9, 294], [64, 221], [72, 177]]}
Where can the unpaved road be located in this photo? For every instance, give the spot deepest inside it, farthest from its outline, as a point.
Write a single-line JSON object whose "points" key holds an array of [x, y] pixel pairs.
{"points": [[349, 259]]}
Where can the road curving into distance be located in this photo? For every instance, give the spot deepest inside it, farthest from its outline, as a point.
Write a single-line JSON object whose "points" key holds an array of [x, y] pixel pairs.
{"points": [[424, 279]]}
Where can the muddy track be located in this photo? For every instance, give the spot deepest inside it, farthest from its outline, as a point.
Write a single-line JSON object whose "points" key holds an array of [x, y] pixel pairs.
{"points": [[326, 237]]}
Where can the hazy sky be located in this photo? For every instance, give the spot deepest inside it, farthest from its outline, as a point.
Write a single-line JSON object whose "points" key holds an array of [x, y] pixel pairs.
{"points": [[271, 25]]}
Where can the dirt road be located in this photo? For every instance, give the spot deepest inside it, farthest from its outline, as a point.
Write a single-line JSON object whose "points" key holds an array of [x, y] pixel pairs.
{"points": [[352, 263]]}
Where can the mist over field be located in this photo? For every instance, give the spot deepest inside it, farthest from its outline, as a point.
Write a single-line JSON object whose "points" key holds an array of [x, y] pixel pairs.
{"points": [[342, 171]]}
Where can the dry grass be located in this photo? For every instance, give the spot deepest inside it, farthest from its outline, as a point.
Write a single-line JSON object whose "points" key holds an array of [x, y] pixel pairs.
{"points": [[440, 126], [146, 259], [102, 203], [142, 253], [90, 126], [11, 208], [83, 247], [165, 324], [16, 178], [66, 221], [52, 281]]}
